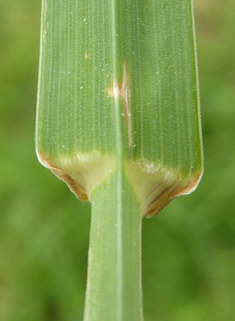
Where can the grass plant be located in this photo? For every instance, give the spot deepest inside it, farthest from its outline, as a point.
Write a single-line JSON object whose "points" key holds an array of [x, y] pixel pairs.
{"points": [[118, 121]]}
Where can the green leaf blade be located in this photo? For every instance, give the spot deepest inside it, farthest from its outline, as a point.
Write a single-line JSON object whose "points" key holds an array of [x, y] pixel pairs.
{"points": [[138, 58], [75, 72]]}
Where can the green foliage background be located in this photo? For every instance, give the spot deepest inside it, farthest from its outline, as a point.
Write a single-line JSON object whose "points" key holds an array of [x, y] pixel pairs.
{"points": [[188, 249]]}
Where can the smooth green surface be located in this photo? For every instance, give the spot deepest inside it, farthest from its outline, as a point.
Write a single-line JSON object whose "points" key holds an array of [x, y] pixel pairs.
{"points": [[114, 289], [80, 65], [188, 249], [89, 49]]}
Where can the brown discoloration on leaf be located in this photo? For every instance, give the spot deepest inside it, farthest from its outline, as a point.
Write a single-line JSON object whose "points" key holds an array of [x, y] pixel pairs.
{"points": [[156, 185], [75, 187], [122, 90], [161, 201], [169, 194], [153, 189], [83, 172], [191, 186]]}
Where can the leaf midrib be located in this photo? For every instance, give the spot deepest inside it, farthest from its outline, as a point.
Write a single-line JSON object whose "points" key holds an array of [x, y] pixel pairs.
{"points": [[119, 172]]}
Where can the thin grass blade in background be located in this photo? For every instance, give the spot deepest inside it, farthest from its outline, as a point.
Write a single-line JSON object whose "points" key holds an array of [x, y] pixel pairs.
{"points": [[118, 121]]}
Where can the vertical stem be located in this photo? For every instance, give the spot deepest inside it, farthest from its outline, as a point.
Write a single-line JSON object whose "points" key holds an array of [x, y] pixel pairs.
{"points": [[114, 290]]}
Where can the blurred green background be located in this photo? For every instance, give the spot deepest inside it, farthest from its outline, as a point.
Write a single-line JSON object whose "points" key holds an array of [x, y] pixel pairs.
{"points": [[188, 249]]}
